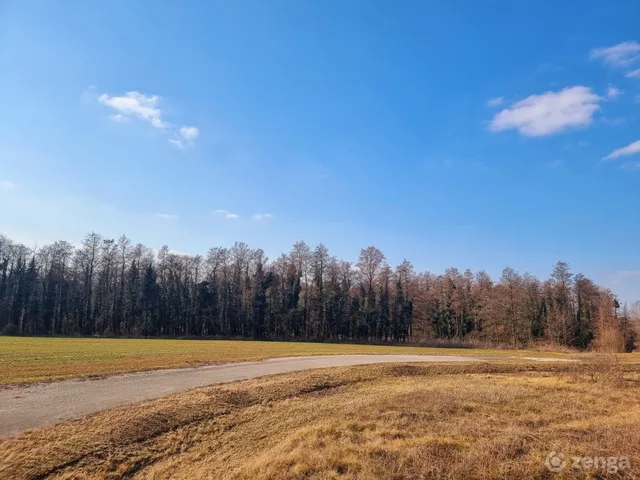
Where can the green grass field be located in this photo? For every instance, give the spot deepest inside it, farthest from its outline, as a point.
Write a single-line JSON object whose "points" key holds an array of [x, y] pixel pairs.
{"points": [[25, 359]]}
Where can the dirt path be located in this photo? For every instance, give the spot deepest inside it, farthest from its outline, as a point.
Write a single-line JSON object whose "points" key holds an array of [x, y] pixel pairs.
{"points": [[46, 404]]}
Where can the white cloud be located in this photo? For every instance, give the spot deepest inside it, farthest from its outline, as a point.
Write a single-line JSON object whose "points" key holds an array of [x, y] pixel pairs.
{"points": [[137, 105], [621, 152], [495, 102], [166, 216], [227, 214], [548, 113], [620, 55], [633, 73], [7, 185], [613, 92], [189, 133], [262, 216]]}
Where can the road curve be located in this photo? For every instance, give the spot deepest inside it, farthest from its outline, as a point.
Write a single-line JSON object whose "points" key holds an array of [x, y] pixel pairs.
{"points": [[41, 405]]}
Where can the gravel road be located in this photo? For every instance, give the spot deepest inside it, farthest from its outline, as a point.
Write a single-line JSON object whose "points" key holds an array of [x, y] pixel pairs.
{"points": [[40, 405]]}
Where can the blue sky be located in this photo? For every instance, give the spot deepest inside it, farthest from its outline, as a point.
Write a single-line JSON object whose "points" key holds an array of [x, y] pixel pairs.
{"points": [[463, 133]]}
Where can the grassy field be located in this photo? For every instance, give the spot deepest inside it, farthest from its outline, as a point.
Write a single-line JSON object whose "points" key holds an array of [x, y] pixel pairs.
{"points": [[475, 421], [24, 359]]}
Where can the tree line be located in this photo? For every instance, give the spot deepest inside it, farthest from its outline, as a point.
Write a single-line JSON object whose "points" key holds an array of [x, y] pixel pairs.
{"points": [[113, 287]]}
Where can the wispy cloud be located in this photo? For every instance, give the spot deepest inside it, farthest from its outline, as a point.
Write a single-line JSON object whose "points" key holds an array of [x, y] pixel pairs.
{"points": [[630, 149], [613, 121], [620, 55], [495, 102], [630, 166], [628, 273], [146, 108], [118, 117], [548, 113], [576, 145], [554, 164], [185, 136], [613, 92], [166, 216], [262, 216], [7, 185], [227, 214], [633, 73]]}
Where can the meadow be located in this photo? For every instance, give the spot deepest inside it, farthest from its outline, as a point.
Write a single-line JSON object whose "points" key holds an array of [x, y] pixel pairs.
{"points": [[498, 419], [37, 359]]}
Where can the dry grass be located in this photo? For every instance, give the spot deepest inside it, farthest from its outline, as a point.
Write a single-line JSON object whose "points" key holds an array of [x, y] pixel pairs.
{"points": [[25, 360], [489, 420]]}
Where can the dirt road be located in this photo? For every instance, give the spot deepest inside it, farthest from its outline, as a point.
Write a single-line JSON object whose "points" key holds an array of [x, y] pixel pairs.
{"points": [[40, 405]]}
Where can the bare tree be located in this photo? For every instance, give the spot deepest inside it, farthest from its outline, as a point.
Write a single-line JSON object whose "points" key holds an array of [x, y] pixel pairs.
{"points": [[105, 286], [369, 265]]}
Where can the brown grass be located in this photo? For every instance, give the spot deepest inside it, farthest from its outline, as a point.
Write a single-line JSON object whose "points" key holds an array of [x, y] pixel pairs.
{"points": [[491, 420]]}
